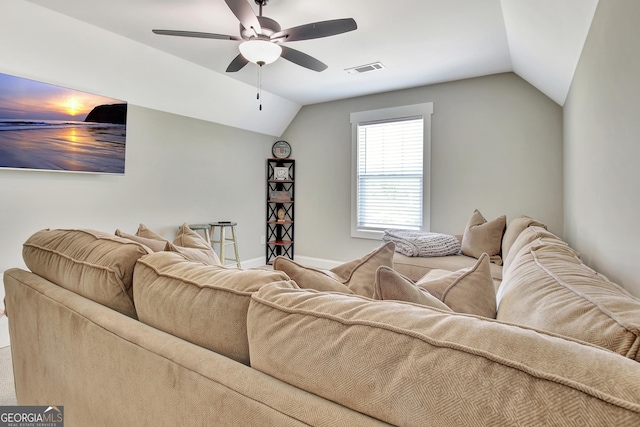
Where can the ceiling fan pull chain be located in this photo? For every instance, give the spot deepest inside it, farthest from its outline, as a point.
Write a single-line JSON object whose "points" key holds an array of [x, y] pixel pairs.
{"points": [[259, 96]]}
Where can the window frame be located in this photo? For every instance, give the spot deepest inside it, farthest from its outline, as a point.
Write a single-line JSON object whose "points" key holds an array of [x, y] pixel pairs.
{"points": [[424, 110]]}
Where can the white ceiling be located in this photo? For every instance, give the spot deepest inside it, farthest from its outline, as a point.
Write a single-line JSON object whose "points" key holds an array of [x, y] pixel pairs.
{"points": [[420, 42]]}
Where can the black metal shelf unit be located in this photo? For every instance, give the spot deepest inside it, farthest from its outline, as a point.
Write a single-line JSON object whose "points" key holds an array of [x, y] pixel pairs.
{"points": [[280, 208]]}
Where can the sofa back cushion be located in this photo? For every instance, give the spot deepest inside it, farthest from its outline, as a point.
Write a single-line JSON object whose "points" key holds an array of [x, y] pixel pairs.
{"points": [[515, 227], [99, 266], [547, 287], [406, 364], [531, 234], [206, 305]]}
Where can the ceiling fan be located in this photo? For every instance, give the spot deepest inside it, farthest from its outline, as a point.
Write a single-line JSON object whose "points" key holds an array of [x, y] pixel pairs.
{"points": [[263, 37]]}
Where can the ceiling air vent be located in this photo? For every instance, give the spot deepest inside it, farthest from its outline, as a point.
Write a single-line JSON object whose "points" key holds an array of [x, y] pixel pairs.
{"points": [[367, 68]]}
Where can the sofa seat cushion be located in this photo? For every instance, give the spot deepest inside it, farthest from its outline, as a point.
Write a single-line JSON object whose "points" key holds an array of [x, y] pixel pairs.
{"points": [[547, 287], [416, 267], [99, 266], [206, 305], [429, 367], [356, 276]]}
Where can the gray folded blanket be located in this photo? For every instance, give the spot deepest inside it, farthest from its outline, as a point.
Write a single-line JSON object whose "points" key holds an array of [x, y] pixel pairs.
{"points": [[422, 244]]}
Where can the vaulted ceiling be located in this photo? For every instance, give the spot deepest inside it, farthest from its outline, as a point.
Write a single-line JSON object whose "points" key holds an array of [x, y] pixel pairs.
{"points": [[419, 42]]}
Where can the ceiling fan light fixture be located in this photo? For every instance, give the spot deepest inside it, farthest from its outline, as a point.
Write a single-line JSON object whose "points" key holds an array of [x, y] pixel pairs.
{"points": [[260, 51]]}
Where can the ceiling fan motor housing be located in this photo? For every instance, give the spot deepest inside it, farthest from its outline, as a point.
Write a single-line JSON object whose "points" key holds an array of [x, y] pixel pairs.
{"points": [[269, 27]]}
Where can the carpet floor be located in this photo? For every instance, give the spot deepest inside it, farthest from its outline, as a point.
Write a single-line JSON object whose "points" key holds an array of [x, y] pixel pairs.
{"points": [[7, 387]]}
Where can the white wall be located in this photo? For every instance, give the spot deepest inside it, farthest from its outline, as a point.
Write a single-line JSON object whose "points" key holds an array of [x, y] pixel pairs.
{"points": [[496, 146], [177, 170], [602, 146]]}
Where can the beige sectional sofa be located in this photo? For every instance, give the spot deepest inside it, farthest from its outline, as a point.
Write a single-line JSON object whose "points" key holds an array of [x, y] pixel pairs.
{"points": [[122, 335]]}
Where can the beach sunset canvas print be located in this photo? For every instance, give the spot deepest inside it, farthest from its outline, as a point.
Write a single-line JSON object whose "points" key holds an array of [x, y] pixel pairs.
{"points": [[48, 127]]}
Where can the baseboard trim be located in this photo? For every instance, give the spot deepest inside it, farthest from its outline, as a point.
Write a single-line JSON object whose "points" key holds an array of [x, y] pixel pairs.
{"points": [[248, 263]]}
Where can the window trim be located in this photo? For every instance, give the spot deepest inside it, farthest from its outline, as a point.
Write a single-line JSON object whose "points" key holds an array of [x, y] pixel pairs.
{"points": [[425, 111]]}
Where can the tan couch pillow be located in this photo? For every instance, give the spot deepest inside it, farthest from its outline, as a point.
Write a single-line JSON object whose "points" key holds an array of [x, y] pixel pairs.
{"points": [[206, 305], [470, 290], [514, 229], [144, 231], [187, 242], [391, 285], [196, 246], [153, 244], [97, 265], [357, 276], [309, 277], [482, 236], [410, 365], [548, 288]]}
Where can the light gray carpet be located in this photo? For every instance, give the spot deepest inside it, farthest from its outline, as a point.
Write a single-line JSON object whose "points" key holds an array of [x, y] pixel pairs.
{"points": [[7, 388]]}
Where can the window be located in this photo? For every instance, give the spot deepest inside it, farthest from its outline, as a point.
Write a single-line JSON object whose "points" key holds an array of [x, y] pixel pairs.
{"points": [[390, 162]]}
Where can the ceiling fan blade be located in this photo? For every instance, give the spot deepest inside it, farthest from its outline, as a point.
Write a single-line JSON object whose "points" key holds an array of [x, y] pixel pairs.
{"points": [[195, 34], [302, 59], [245, 14], [316, 30], [237, 64]]}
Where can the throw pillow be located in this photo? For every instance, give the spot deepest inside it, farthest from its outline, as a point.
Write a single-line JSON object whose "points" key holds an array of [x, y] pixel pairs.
{"points": [[482, 236], [193, 254], [391, 285], [357, 276], [192, 245], [187, 242], [309, 277], [469, 290], [153, 244], [143, 231]]}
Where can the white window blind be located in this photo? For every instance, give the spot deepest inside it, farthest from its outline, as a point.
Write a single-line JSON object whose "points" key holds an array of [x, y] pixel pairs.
{"points": [[390, 174]]}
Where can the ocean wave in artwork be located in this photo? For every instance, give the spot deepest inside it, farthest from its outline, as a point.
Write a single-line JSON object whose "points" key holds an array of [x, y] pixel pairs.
{"points": [[62, 145]]}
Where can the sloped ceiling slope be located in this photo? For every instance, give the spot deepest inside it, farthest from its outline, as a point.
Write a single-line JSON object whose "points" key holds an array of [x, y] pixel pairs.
{"points": [[419, 42], [546, 39]]}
